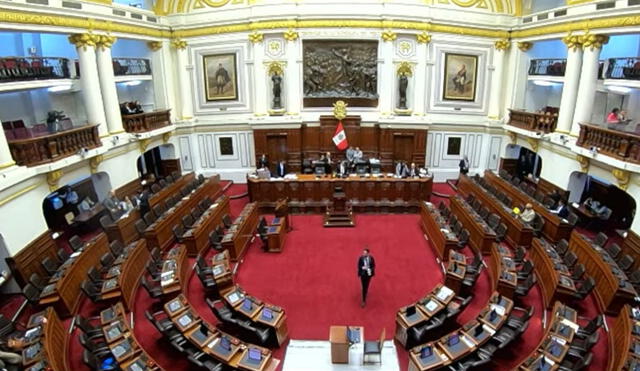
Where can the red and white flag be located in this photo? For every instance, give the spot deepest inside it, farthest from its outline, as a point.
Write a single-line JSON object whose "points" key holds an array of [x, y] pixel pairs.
{"points": [[340, 138]]}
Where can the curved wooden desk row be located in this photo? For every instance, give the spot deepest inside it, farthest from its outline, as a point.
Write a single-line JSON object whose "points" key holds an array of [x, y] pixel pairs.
{"points": [[63, 290], [209, 340], [221, 271], [242, 231], [481, 236], [46, 341], [456, 271], [420, 312], [367, 194], [171, 189], [554, 278], [122, 279], [196, 238], [464, 341], [624, 340], [160, 233], [555, 228], [555, 343], [504, 276], [438, 231], [613, 289], [124, 229], [518, 233], [175, 271], [122, 343]]}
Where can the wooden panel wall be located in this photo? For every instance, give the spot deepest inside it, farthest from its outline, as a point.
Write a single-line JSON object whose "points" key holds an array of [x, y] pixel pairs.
{"points": [[309, 141], [27, 261], [129, 189]]}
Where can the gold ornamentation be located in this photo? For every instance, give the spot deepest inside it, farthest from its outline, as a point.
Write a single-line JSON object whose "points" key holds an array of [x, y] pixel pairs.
{"points": [[276, 68], [105, 41], [404, 69], [533, 142], [524, 46], [573, 42], [154, 45], [179, 44], [388, 35], [53, 177], [502, 44], [593, 41], [340, 110], [144, 143], [513, 137], [623, 177], [274, 46], [423, 38], [405, 46], [584, 163], [166, 136], [291, 35], [256, 37], [82, 40], [94, 162]]}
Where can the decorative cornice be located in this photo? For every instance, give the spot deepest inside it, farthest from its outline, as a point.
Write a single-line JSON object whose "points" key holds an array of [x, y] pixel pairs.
{"points": [[179, 44], [340, 110], [404, 69], [533, 142], [513, 137], [502, 44], [83, 40], [593, 41], [275, 68], [94, 162], [573, 42], [389, 35], [154, 45], [256, 37], [622, 177], [524, 46], [144, 143], [167, 136], [423, 38], [291, 35], [105, 41], [584, 163], [53, 177]]}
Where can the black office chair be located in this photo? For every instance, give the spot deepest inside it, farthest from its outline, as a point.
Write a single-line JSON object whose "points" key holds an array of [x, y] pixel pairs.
{"points": [[91, 292], [154, 270], [140, 226], [601, 239], [91, 332], [31, 294], [214, 241], [116, 247], [155, 188], [97, 347], [493, 221], [562, 247], [456, 227], [476, 264], [625, 262], [165, 326], [162, 183], [175, 175], [37, 281], [106, 222], [158, 210], [62, 255], [187, 221], [580, 364], [226, 220], [537, 224], [501, 232], [522, 289], [50, 266], [591, 327], [154, 292], [520, 254], [578, 272], [202, 264], [570, 259], [95, 277], [484, 213], [76, 243], [178, 232], [463, 239], [584, 289], [614, 251], [516, 321], [207, 281], [106, 261], [205, 361], [201, 178], [184, 192], [526, 270], [372, 348], [149, 218]]}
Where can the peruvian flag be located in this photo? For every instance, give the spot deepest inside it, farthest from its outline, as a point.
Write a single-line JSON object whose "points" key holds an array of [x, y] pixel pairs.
{"points": [[340, 138]]}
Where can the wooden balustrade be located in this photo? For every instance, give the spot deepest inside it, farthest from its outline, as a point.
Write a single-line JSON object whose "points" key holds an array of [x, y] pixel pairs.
{"points": [[621, 145], [48, 148], [533, 121], [143, 122]]}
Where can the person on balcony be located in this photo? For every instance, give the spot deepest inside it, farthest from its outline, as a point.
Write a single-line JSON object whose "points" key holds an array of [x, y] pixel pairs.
{"points": [[613, 117]]}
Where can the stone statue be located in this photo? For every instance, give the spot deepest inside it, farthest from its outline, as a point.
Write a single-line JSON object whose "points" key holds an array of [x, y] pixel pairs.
{"points": [[276, 79], [403, 81]]}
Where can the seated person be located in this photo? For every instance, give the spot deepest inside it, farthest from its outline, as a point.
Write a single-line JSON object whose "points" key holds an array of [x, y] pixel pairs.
{"points": [[528, 215], [126, 205], [281, 169], [343, 168], [10, 354], [413, 170], [613, 117], [401, 170], [555, 196], [112, 203], [561, 209], [357, 154]]}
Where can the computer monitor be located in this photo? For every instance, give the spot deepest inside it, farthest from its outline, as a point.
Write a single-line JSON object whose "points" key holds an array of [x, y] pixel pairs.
{"points": [[478, 330], [492, 315], [319, 167], [426, 352], [225, 343], [246, 304], [267, 313], [361, 167], [255, 354], [454, 339], [375, 166], [411, 311]]}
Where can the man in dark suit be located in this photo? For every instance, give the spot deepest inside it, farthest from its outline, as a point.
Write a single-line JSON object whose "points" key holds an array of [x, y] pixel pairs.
{"points": [[281, 169], [263, 162], [366, 270], [464, 165]]}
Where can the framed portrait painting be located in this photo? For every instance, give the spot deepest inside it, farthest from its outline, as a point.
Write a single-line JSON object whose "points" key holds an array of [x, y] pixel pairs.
{"points": [[460, 77], [220, 77]]}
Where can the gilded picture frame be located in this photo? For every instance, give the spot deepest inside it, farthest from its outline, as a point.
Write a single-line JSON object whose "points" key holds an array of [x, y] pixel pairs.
{"points": [[460, 77], [220, 77]]}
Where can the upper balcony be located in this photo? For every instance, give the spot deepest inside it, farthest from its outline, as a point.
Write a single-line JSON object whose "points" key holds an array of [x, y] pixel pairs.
{"points": [[136, 121], [623, 72], [18, 73], [547, 67], [624, 146], [544, 121]]}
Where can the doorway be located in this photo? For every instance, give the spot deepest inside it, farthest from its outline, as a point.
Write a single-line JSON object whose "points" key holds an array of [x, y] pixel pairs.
{"points": [[403, 148], [276, 149]]}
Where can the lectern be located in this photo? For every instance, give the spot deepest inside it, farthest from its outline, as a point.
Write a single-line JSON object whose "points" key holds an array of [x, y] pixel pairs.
{"points": [[338, 214]]}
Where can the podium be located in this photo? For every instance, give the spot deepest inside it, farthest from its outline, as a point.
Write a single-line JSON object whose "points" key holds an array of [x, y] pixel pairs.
{"points": [[340, 343], [338, 214]]}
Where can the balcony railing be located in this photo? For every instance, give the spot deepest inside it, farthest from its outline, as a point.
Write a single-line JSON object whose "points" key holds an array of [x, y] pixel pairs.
{"points": [[52, 147], [131, 66], [623, 68], [147, 121], [618, 144], [539, 122], [547, 67], [33, 68]]}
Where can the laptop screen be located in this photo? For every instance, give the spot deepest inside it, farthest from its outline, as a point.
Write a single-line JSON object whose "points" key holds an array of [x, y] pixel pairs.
{"points": [[267, 313], [254, 354], [426, 352], [246, 304], [454, 339], [225, 343], [411, 311]]}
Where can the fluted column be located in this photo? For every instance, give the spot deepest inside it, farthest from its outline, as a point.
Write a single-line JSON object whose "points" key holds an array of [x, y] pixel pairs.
{"points": [[292, 77], [495, 102], [91, 94], [571, 81], [108, 84], [163, 83], [5, 154], [184, 80], [387, 74], [592, 46], [420, 81], [260, 100]]}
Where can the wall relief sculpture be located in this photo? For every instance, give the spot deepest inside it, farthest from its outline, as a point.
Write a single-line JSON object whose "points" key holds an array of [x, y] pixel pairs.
{"points": [[345, 69]]}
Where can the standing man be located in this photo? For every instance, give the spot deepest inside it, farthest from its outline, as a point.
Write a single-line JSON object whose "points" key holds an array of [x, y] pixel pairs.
{"points": [[281, 170], [366, 270], [464, 165]]}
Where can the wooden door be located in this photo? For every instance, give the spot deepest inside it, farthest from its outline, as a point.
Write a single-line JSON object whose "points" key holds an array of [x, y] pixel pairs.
{"points": [[403, 148], [276, 149]]}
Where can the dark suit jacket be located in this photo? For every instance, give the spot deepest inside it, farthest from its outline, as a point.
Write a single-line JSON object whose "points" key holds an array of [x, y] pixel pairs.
{"points": [[281, 170], [463, 167], [362, 272]]}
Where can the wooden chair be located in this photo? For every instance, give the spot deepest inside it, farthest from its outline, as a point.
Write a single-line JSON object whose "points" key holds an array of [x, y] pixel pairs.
{"points": [[374, 348]]}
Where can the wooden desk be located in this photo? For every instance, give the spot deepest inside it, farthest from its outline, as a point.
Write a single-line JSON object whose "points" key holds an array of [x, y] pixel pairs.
{"points": [[612, 290], [276, 235], [124, 229], [340, 342], [197, 237], [436, 360], [66, 293], [131, 271], [555, 228], [455, 275], [170, 189], [442, 242], [481, 236], [553, 285], [518, 233], [277, 322], [223, 275], [620, 337], [54, 341], [160, 233], [368, 194], [175, 271], [241, 232]]}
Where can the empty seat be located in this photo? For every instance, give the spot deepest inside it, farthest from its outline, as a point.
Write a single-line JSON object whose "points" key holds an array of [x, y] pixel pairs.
{"points": [[50, 266], [140, 226], [149, 218], [626, 262], [562, 247], [601, 239], [105, 222], [76, 243], [501, 232], [178, 232], [614, 250]]}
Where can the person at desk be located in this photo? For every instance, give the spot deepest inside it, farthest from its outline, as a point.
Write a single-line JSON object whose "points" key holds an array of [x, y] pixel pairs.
{"points": [[555, 196], [413, 170], [613, 117], [464, 165], [263, 162], [328, 163], [528, 215], [401, 170], [343, 168], [10, 357], [350, 154], [357, 154], [366, 270], [561, 209], [281, 169], [112, 203]]}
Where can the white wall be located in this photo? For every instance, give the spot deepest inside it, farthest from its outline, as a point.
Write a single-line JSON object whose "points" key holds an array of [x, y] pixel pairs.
{"points": [[538, 97]]}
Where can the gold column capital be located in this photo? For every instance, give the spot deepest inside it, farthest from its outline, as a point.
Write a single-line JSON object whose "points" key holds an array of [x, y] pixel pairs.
{"points": [[502, 44], [105, 41], [389, 35], [179, 44], [622, 177], [291, 35], [256, 37], [573, 42], [144, 143], [593, 41], [154, 45], [584, 163], [94, 162], [404, 69], [167, 136], [53, 177], [423, 38], [83, 40], [524, 46]]}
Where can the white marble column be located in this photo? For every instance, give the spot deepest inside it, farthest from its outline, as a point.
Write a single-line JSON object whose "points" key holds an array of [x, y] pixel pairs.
{"points": [[570, 86], [260, 97], [592, 47], [108, 84], [184, 80], [5, 154], [89, 80], [292, 76], [495, 101], [387, 74], [420, 75], [163, 85]]}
